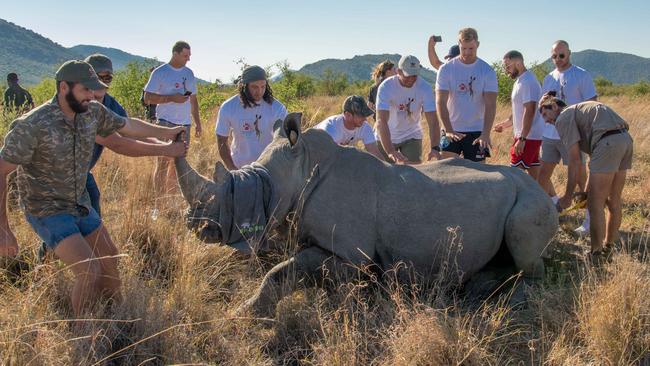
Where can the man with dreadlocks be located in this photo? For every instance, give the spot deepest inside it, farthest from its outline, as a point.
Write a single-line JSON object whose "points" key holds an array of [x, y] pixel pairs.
{"points": [[249, 115]]}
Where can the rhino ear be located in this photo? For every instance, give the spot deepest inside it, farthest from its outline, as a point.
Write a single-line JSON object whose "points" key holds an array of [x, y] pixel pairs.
{"points": [[291, 127], [277, 128], [220, 172]]}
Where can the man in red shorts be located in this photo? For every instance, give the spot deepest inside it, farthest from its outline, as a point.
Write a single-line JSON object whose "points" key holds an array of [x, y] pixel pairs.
{"points": [[527, 123]]}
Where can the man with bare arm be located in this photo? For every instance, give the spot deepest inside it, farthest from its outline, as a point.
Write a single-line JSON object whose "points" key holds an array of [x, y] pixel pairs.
{"points": [[172, 87], [466, 99]]}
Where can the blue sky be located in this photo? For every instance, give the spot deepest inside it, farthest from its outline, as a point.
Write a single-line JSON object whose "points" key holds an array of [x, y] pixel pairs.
{"points": [[266, 32]]}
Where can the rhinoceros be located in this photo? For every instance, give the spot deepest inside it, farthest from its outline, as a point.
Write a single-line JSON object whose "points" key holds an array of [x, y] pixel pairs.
{"points": [[356, 210]]}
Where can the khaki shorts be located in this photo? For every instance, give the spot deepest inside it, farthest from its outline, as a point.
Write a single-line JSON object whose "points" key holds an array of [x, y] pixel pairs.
{"points": [[165, 123], [554, 150], [411, 148], [612, 154]]}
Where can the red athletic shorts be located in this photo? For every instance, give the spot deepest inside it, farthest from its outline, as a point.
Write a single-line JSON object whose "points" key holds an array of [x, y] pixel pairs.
{"points": [[530, 156]]}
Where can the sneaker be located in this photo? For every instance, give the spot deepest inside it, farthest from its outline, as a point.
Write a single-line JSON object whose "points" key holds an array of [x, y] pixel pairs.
{"points": [[555, 199], [582, 230]]}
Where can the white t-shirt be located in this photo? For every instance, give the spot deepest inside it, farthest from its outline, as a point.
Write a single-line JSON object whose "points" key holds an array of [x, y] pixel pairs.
{"points": [[334, 127], [574, 85], [466, 85], [252, 128], [167, 80], [405, 106], [526, 89]]}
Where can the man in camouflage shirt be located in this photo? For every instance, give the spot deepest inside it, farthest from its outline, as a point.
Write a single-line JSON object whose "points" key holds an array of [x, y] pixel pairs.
{"points": [[16, 98], [52, 147]]}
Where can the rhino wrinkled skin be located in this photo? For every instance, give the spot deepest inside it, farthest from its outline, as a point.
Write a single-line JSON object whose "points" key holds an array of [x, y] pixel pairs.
{"points": [[356, 210]]}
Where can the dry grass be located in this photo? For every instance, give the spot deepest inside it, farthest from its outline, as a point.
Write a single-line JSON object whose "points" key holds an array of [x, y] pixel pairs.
{"points": [[180, 294]]}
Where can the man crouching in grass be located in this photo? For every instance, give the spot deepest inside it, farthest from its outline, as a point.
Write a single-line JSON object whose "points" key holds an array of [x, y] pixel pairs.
{"points": [[52, 147]]}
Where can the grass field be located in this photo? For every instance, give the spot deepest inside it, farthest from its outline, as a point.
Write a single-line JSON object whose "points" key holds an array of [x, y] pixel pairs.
{"points": [[180, 294]]}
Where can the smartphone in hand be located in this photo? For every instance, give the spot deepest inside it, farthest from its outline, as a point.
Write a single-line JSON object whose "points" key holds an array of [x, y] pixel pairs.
{"points": [[437, 38]]}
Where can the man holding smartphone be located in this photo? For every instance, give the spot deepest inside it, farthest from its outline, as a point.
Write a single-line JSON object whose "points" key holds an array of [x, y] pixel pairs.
{"points": [[172, 87]]}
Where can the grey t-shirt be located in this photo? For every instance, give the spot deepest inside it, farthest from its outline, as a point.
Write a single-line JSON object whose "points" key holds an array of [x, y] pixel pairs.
{"points": [[585, 123]]}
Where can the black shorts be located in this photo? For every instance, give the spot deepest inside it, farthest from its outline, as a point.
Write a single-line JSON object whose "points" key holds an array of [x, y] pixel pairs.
{"points": [[468, 150]]}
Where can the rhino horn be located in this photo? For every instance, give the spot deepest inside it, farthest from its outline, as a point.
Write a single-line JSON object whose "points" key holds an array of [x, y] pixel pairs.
{"points": [[195, 187]]}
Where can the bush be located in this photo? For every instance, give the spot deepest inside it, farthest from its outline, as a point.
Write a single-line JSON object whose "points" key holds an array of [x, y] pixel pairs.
{"points": [[128, 84], [293, 87], [333, 83]]}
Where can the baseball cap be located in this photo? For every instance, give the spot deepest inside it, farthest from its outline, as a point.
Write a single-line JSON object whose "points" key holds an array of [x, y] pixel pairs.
{"points": [[79, 72], [100, 63], [356, 105], [410, 65], [453, 52]]}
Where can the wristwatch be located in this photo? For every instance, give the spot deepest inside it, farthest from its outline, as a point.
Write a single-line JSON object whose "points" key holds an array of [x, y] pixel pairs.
{"points": [[437, 148], [522, 138]]}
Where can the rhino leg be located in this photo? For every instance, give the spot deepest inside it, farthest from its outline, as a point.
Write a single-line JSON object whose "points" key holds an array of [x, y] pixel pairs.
{"points": [[530, 226], [308, 267]]}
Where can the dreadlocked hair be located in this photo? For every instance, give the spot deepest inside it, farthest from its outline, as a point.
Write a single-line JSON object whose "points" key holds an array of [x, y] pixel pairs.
{"points": [[247, 100]]}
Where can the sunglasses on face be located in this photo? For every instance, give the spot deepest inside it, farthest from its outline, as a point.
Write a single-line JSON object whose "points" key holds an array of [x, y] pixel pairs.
{"points": [[106, 78], [561, 56]]}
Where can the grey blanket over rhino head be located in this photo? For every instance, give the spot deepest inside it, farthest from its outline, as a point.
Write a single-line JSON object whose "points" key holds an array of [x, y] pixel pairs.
{"points": [[244, 207]]}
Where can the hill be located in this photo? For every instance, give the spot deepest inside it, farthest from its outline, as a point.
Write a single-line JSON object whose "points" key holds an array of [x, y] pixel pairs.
{"points": [[120, 58], [35, 57], [29, 54], [619, 68], [357, 67]]}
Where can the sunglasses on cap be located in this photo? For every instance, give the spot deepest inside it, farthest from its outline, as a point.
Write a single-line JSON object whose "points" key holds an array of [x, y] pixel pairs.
{"points": [[106, 79], [561, 56]]}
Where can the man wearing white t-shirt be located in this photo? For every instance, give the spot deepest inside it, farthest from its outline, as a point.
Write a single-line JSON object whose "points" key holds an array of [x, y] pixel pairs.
{"points": [[527, 123], [466, 97], [250, 116], [573, 85], [351, 126], [172, 87], [401, 99]]}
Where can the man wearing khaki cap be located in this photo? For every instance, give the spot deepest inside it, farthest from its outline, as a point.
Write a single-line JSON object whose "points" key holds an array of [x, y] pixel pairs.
{"points": [[249, 116], [351, 126], [401, 99], [52, 147]]}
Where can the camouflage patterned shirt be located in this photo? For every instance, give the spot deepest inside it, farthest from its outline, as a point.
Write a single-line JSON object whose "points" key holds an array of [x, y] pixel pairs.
{"points": [[53, 154]]}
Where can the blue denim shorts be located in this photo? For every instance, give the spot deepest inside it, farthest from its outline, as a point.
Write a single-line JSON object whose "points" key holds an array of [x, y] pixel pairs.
{"points": [[53, 229]]}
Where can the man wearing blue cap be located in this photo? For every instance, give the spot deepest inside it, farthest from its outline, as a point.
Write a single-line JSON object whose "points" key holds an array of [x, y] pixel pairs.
{"points": [[249, 116], [52, 147], [433, 56], [103, 66]]}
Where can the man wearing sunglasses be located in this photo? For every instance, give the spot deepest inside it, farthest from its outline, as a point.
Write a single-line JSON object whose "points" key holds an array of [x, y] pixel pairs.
{"points": [[573, 85], [103, 66]]}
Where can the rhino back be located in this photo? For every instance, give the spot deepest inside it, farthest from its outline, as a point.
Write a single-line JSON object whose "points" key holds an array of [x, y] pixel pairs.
{"points": [[418, 209]]}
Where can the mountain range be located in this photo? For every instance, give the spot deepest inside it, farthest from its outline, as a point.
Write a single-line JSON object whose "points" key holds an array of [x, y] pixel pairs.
{"points": [[35, 57]]}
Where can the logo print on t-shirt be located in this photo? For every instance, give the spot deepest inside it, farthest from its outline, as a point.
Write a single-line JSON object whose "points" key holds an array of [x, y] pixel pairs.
{"points": [[246, 127], [471, 86], [257, 127], [407, 107], [562, 85]]}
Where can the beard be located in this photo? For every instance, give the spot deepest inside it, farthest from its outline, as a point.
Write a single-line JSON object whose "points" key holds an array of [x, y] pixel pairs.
{"points": [[74, 104], [514, 74]]}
